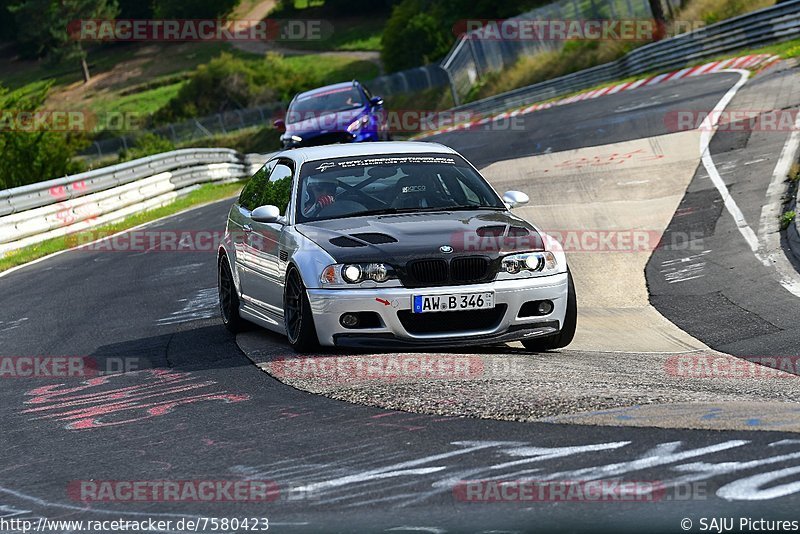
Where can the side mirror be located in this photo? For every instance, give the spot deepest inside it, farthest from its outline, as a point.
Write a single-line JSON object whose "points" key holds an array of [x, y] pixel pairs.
{"points": [[279, 124], [515, 199], [376, 101], [266, 214]]}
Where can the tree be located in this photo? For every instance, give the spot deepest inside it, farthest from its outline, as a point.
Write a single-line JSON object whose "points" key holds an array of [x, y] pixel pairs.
{"points": [[43, 27], [658, 16], [33, 155], [198, 9], [8, 30], [422, 31]]}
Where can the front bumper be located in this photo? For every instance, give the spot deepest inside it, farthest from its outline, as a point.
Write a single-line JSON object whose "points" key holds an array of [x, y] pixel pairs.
{"points": [[327, 306]]}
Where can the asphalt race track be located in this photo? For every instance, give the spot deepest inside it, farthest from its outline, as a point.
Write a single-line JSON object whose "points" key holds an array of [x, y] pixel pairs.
{"points": [[194, 407]]}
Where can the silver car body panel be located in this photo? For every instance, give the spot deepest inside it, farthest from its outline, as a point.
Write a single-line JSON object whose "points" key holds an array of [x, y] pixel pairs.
{"points": [[260, 271]]}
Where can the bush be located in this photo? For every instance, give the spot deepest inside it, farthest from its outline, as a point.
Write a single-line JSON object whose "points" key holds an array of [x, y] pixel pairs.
{"points": [[35, 156], [421, 31], [413, 37], [8, 29], [227, 83], [198, 9], [249, 141], [146, 145], [333, 8]]}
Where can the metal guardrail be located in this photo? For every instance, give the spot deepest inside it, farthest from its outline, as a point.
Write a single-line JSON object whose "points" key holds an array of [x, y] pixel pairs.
{"points": [[770, 25], [32, 213], [192, 129], [409, 81], [472, 57], [69, 187]]}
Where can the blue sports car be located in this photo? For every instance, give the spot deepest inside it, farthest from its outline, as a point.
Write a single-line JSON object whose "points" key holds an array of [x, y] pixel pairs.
{"points": [[340, 113]]}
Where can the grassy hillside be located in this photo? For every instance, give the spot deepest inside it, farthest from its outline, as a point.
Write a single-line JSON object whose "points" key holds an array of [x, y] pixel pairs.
{"points": [[576, 55]]}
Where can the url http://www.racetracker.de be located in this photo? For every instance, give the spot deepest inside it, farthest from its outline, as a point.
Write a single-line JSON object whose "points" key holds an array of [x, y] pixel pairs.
{"points": [[194, 524]]}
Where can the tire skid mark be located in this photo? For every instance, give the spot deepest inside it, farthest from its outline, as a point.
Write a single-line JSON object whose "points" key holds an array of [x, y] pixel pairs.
{"points": [[98, 402]]}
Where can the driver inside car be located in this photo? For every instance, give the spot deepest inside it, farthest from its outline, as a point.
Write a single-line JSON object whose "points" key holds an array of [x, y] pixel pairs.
{"points": [[322, 193]]}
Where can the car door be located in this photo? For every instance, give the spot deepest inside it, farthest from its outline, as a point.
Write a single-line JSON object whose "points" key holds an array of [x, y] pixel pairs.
{"points": [[239, 223], [262, 275]]}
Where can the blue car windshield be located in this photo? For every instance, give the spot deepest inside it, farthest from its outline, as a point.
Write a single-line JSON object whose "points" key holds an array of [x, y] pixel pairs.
{"points": [[390, 184], [332, 101]]}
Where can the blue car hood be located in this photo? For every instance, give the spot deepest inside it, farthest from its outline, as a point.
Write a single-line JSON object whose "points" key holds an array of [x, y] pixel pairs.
{"points": [[323, 123]]}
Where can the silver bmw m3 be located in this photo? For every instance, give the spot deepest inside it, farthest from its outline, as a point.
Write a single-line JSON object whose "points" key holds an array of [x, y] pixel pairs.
{"points": [[390, 245]]}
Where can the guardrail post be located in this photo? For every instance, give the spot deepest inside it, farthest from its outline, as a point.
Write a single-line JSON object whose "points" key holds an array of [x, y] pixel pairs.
{"points": [[478, 69], [453, 89]]}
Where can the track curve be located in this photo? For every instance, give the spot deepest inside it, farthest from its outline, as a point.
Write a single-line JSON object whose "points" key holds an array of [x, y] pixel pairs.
{"points": [[197, 408]]}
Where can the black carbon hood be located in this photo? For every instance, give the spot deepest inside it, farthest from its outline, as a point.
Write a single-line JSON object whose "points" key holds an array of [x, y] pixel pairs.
{"points": [[402, 238]]}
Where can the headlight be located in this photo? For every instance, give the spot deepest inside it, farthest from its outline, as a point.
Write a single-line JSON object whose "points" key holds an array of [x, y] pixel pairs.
{"points": [[358, 124], [355, 273], [536, 262], [297, 139]]}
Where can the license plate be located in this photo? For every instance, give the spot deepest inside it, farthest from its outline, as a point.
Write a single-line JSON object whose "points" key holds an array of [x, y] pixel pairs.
{"points": [[453, 302]]}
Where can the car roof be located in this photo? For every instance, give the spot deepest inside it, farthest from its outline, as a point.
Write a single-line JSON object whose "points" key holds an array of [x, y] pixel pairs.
{"points": [[302, 155], [343, 85]]}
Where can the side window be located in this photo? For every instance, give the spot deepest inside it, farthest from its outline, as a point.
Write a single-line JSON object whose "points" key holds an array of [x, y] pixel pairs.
{"points": [[273, 187], [252, 191], [280, 172]]}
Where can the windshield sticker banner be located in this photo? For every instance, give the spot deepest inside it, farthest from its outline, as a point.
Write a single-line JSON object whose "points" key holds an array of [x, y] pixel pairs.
{"points": [[392, 160]]}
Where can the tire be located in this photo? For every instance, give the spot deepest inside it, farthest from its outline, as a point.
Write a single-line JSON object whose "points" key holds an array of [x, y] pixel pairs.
{"points": [[297, 317], [564, 337], [228, 298]]}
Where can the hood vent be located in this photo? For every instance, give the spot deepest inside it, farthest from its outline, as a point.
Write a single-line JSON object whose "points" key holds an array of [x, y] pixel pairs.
{"points": [[502, 231], [347, 242], [362, 240], [518, 231], [491, 231], [374, 238]]}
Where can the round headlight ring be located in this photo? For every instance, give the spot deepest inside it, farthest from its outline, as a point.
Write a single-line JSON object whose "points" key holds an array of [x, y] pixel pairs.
{"points": [[351, 273]]}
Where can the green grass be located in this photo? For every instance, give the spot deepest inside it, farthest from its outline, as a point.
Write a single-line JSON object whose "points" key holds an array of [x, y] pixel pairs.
{"points": [[203, 195], [348, 34], [367, 42], [143, 102], [786, 219], [306, 4], [787, 49], [252, 140], [153, 59], [332, 69]]}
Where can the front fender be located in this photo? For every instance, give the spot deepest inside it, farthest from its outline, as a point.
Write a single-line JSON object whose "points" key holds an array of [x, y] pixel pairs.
{"points": [[308, 257]]}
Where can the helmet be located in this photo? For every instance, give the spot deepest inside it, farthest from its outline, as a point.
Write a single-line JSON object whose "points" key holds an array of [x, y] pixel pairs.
{"points": [[322, 181]]}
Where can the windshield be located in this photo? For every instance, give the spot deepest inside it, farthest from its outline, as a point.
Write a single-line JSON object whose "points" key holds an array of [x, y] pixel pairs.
{"points": [[400, 183], [332, 101]]}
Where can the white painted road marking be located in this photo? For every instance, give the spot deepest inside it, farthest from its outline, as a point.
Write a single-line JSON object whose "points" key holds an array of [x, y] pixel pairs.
{"points": [[707, 130]]}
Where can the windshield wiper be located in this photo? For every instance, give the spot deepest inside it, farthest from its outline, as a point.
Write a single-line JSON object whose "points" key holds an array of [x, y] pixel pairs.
{"points": [[393, 211], [384, 211]]}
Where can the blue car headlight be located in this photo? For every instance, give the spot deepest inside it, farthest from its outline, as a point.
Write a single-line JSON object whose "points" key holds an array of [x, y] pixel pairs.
{"points": [[357, 124]]}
